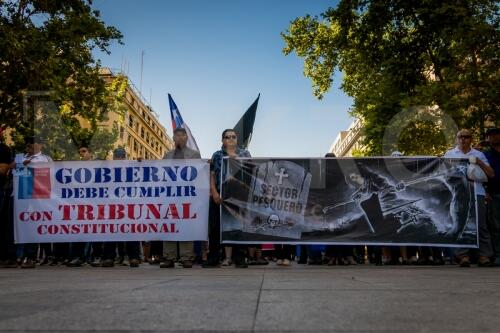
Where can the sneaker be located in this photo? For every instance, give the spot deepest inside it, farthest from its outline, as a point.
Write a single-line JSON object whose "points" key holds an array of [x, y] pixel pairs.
{"points": [[96, 263], [75, 263], [108, 263], [45, 261], [286, 262], [279, 262], [262, 261], [497, 262], [167, 264], [28, 263], [187, 264], [464, 261], [227, 262], [332, 262], [134, 262], [413, 260]]}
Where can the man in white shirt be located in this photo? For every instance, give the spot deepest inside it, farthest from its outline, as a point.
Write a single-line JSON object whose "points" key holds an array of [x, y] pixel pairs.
{"points": [[464, 150], [34, 154]]}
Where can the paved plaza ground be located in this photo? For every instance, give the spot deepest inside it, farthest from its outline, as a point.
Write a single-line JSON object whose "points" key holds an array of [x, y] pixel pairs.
{"points": [[258, 299]]}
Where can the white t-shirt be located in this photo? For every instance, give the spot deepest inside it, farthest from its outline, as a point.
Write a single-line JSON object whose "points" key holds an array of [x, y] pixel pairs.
{"points": [[457, 153], [38, 158]]}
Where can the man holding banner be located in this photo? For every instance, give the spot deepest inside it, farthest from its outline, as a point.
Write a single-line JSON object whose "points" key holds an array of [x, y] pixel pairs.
{"points": [[186, 249], [464, 150], [34, 155]]}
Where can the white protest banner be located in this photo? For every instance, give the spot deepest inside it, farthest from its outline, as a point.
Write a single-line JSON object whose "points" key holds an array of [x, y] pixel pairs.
{"points": [[112, 201]]}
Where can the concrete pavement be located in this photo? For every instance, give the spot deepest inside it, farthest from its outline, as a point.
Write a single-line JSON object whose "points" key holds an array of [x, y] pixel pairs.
{"points": [[258, 299]]}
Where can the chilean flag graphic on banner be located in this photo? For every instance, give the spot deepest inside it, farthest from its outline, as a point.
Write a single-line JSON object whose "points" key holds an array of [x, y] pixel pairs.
{"points": [[35, 184], [178, 122]]}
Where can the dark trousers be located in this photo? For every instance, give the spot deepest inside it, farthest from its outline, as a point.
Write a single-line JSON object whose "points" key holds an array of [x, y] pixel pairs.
{"points": [[284, 251], [213, 233], [77, 250], [97, 249], [485, 247], [494, 217], [132, 249], [7, 246]]}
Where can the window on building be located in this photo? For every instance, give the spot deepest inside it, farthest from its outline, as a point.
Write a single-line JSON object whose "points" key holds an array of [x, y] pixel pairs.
{"points": [[142, 132], [131, 121]]}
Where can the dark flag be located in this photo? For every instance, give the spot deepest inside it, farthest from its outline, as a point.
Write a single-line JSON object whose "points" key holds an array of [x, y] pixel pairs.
{"points": [[244, 127]]}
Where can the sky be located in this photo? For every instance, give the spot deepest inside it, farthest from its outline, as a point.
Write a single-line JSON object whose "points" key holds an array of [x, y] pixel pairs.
{"points": [[214, 58]]}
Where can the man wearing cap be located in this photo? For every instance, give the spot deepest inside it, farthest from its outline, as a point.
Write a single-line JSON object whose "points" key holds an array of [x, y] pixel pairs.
{"points": [[186, 249], [464, 150], [493, 156]]}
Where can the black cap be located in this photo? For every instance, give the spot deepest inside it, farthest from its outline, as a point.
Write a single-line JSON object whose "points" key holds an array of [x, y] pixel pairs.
{"points": [[33, 139], [120, 152], [493, 131]]}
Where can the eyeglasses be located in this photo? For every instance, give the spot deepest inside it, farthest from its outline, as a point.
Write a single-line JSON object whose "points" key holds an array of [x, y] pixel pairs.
{"points": [[465, 136], [230, 137]]}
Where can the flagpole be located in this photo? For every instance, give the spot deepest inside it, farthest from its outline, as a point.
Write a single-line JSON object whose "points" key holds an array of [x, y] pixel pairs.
{"points": [[142, 67]]}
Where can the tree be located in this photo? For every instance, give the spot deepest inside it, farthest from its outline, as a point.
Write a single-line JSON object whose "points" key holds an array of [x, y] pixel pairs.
{"points": [[396, 55], [47, 72]]}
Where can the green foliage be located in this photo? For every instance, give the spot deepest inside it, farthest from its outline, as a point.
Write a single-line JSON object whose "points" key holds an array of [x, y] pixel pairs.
{"points": [[49, 80], [399, 54]]}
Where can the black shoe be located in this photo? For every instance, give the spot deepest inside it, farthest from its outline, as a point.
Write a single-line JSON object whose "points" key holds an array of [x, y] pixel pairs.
{"points": [[241, 264], [187, 264], [315, 261], [210, 264], [28, 263], [108, 263], [134, 263], [9, 264], [167, 264]]}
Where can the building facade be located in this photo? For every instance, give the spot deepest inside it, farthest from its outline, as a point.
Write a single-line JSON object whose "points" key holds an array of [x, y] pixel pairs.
{"points": [[140, 131], [349, 141]]}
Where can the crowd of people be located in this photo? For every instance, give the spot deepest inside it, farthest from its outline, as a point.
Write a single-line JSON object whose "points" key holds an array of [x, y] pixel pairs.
{"points": [[213, 254]]}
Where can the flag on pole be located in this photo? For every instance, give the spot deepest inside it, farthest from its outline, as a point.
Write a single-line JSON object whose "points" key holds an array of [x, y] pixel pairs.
{"points": [[178, 122], [244, 127]]}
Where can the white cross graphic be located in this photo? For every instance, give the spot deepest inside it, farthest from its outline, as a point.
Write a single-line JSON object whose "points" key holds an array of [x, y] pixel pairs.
{"points": [[281, 175]]}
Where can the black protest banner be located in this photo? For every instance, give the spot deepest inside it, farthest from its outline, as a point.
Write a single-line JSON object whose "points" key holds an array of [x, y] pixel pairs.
{"points": [[378, 201]]}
